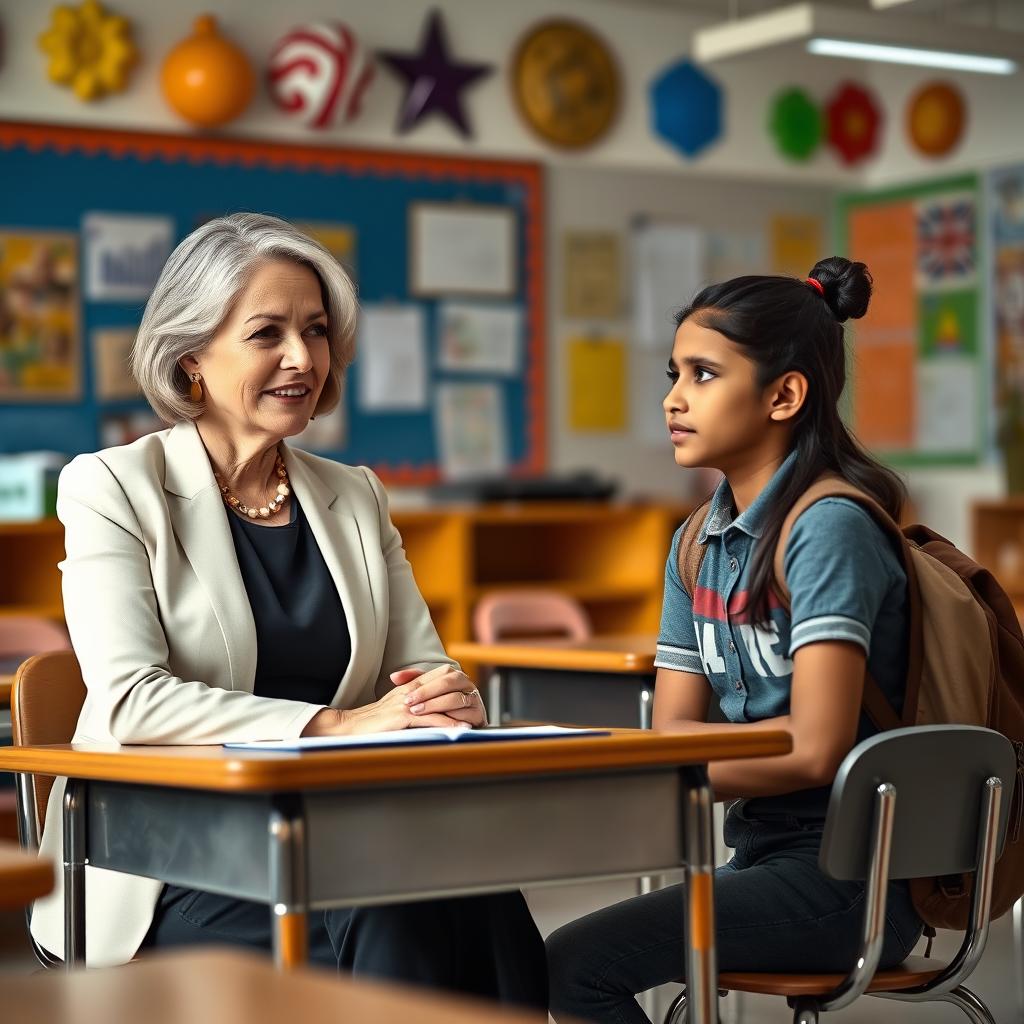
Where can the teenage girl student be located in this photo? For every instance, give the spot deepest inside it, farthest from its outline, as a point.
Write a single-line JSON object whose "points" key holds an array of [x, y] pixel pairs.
{"points": [[757, 370]]}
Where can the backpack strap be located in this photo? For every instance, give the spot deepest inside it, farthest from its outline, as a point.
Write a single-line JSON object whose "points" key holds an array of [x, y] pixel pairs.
{"points": [[691, 551], [877, 705]]}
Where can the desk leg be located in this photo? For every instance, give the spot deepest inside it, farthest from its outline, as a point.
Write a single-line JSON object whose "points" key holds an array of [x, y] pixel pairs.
{"points": [[494, 697], [74, 874], [699, 854], [288, 885]]}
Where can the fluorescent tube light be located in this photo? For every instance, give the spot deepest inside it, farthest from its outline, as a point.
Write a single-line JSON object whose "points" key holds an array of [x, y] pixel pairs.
{"points": [[869, 35], [911, 55]]}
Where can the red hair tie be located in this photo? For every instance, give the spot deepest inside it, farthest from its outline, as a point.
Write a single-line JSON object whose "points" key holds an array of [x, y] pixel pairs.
{"points": [[817, 284]]}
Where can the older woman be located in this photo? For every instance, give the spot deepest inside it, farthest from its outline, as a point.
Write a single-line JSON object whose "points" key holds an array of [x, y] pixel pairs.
{"points": [[220, 585]]}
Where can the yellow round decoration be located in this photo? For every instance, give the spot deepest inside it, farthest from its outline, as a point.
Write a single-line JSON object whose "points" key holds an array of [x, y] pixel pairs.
{"points": [[565, 83], [90, 50], [936, 117]]}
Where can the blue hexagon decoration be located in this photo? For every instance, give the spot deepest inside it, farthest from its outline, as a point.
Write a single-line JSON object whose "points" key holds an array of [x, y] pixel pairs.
{"points": [[686, 107]]}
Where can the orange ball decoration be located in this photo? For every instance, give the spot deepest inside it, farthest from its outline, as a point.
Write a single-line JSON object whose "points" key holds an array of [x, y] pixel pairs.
{"points": [[206, 78], [936, 116]]}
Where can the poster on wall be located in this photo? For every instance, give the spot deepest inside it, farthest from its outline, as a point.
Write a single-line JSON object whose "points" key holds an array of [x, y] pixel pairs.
{"points": [[592, 275], [111, 350], [40, 344], [480, 339], [1006, 202], [338, 239], [124, 255], [918, 355], [669, 266], [470, 421], [462, 249]]}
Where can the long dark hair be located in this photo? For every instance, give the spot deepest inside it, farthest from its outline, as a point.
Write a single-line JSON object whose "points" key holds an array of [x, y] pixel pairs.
{"points": [[783, 324]]}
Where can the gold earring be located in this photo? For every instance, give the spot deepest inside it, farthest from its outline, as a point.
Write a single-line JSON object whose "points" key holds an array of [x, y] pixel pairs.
{"points": [[196, 391]]}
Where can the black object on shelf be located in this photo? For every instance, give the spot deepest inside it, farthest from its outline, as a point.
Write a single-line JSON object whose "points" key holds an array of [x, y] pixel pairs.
{"points": [[584, 486]]}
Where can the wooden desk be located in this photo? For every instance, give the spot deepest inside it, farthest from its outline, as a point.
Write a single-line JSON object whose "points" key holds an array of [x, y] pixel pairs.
{"points": [[606, 680], [217, 986], [309, 828], [23, 877]]}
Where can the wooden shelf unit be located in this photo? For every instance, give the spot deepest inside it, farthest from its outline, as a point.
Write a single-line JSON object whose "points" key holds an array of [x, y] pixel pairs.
{"points": [[997, 529], [609, 557]]}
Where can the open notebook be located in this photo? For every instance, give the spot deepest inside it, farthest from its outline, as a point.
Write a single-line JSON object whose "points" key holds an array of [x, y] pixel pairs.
{"points": [[419, 737]]}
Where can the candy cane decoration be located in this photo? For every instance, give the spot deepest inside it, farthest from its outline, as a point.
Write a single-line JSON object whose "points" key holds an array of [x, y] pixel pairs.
{"points": [[319, 73]]}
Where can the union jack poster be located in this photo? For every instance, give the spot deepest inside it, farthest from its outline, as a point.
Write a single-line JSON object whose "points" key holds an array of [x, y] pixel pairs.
{"points": [[946, 242]]}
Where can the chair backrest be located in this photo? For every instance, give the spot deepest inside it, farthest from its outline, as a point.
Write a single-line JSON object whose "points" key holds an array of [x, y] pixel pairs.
{"points": [[939, 774], [24, 635], [46, 701], [520, 613]]}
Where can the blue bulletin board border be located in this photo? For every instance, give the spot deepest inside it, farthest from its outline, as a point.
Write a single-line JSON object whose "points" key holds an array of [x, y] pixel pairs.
{"points": [[54, 174]]}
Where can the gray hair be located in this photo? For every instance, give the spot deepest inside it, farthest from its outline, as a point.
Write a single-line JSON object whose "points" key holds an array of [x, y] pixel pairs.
{"points": [[197, 287]]}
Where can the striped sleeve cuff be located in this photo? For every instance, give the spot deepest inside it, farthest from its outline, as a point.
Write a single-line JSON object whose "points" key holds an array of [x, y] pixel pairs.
{"points": [[679, 659], [829, 627]]}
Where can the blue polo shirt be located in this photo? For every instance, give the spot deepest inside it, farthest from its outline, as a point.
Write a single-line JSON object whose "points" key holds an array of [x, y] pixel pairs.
{"points": [[846, 583]]}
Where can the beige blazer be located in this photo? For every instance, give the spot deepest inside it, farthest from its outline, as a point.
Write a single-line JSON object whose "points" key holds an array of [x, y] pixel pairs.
{"points": [[162, 627]]}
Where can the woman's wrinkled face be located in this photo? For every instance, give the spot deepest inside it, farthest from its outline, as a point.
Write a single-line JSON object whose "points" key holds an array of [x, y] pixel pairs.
{"points": [[263, 372]]}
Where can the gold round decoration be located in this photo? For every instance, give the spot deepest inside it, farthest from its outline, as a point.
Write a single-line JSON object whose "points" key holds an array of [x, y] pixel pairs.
{"points": [[565, 83], [936, 118]]}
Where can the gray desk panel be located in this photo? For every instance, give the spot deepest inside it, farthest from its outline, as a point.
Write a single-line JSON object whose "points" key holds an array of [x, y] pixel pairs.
{"points": [[579, 698], [369, 846], [212, 841]]}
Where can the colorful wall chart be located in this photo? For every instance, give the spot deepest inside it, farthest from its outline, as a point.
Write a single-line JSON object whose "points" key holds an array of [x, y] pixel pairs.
{"points": [[917, 357], [1006, 203], [63, 381]]}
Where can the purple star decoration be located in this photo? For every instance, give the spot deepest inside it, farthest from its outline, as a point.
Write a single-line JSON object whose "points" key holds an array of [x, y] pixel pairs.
{"points": [[434, 81]]}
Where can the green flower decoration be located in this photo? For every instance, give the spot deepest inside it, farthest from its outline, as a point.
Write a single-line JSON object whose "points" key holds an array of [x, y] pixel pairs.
{"points": [[795, 123]]}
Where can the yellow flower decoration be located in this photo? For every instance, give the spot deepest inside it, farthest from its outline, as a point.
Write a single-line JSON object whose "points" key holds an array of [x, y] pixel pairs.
{"points": [[89, 49]]}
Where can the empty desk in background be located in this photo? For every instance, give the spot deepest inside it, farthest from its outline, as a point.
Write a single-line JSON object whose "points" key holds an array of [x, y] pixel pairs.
{"points": [[218, 986], [601, 681], [304, 831]]}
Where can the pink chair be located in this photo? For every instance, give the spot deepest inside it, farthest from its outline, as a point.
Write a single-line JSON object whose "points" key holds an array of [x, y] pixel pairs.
{"points": [[510, 614], [534, 613], [21, 636]]}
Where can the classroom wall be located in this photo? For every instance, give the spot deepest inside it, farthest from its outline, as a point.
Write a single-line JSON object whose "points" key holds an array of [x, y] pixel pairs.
{"points": [[645, 39], [739, 181], [611, 200]]}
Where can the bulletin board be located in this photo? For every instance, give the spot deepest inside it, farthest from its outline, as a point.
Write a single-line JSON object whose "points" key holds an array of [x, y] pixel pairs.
{"points": [[54, 176], [919, 386]]}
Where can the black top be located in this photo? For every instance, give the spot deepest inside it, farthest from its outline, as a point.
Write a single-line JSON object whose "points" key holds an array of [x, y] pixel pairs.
{"points": [[302, 639]]}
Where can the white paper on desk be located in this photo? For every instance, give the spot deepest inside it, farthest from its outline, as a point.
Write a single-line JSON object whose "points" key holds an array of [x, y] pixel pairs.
{"points": [[415, 737], [392, 363]]}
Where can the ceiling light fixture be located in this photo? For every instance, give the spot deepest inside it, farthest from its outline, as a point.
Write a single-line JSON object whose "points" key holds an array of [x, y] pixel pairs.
{"points": [[912, 55], [863, 35]]}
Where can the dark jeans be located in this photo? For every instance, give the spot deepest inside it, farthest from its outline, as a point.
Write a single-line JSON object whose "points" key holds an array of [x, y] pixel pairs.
{"points": [[485, 946], [775, 910]]}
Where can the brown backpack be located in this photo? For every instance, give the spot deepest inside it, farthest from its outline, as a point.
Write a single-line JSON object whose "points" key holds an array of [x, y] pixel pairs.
{"points": [[965, 666]]}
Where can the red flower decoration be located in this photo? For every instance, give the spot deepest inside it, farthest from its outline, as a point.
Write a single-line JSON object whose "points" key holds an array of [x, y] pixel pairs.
{"points": [[853, 121]]}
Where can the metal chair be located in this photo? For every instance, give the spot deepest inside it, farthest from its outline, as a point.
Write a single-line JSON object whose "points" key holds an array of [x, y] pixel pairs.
{"points": [[46, 701], [909, 803]]}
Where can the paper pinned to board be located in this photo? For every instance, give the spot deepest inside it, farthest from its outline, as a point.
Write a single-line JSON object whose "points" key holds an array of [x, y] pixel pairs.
{"points": [[392, 358]]}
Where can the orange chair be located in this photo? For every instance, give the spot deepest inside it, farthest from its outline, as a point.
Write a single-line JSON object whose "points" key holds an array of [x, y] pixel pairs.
{"points": [[47, 699], [507, 614], [21, 636]]}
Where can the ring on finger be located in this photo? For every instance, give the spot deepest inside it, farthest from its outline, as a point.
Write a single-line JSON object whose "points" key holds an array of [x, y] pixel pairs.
{"points": [[467, 698]]}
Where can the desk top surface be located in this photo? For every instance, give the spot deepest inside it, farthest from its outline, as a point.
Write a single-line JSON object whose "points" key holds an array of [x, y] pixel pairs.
{"points": [[231, 988], [625, 654], [23, 877], [214, 768]]}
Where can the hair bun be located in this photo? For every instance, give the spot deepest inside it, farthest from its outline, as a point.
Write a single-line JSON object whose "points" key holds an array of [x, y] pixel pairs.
{"points": [[847, 286]]}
